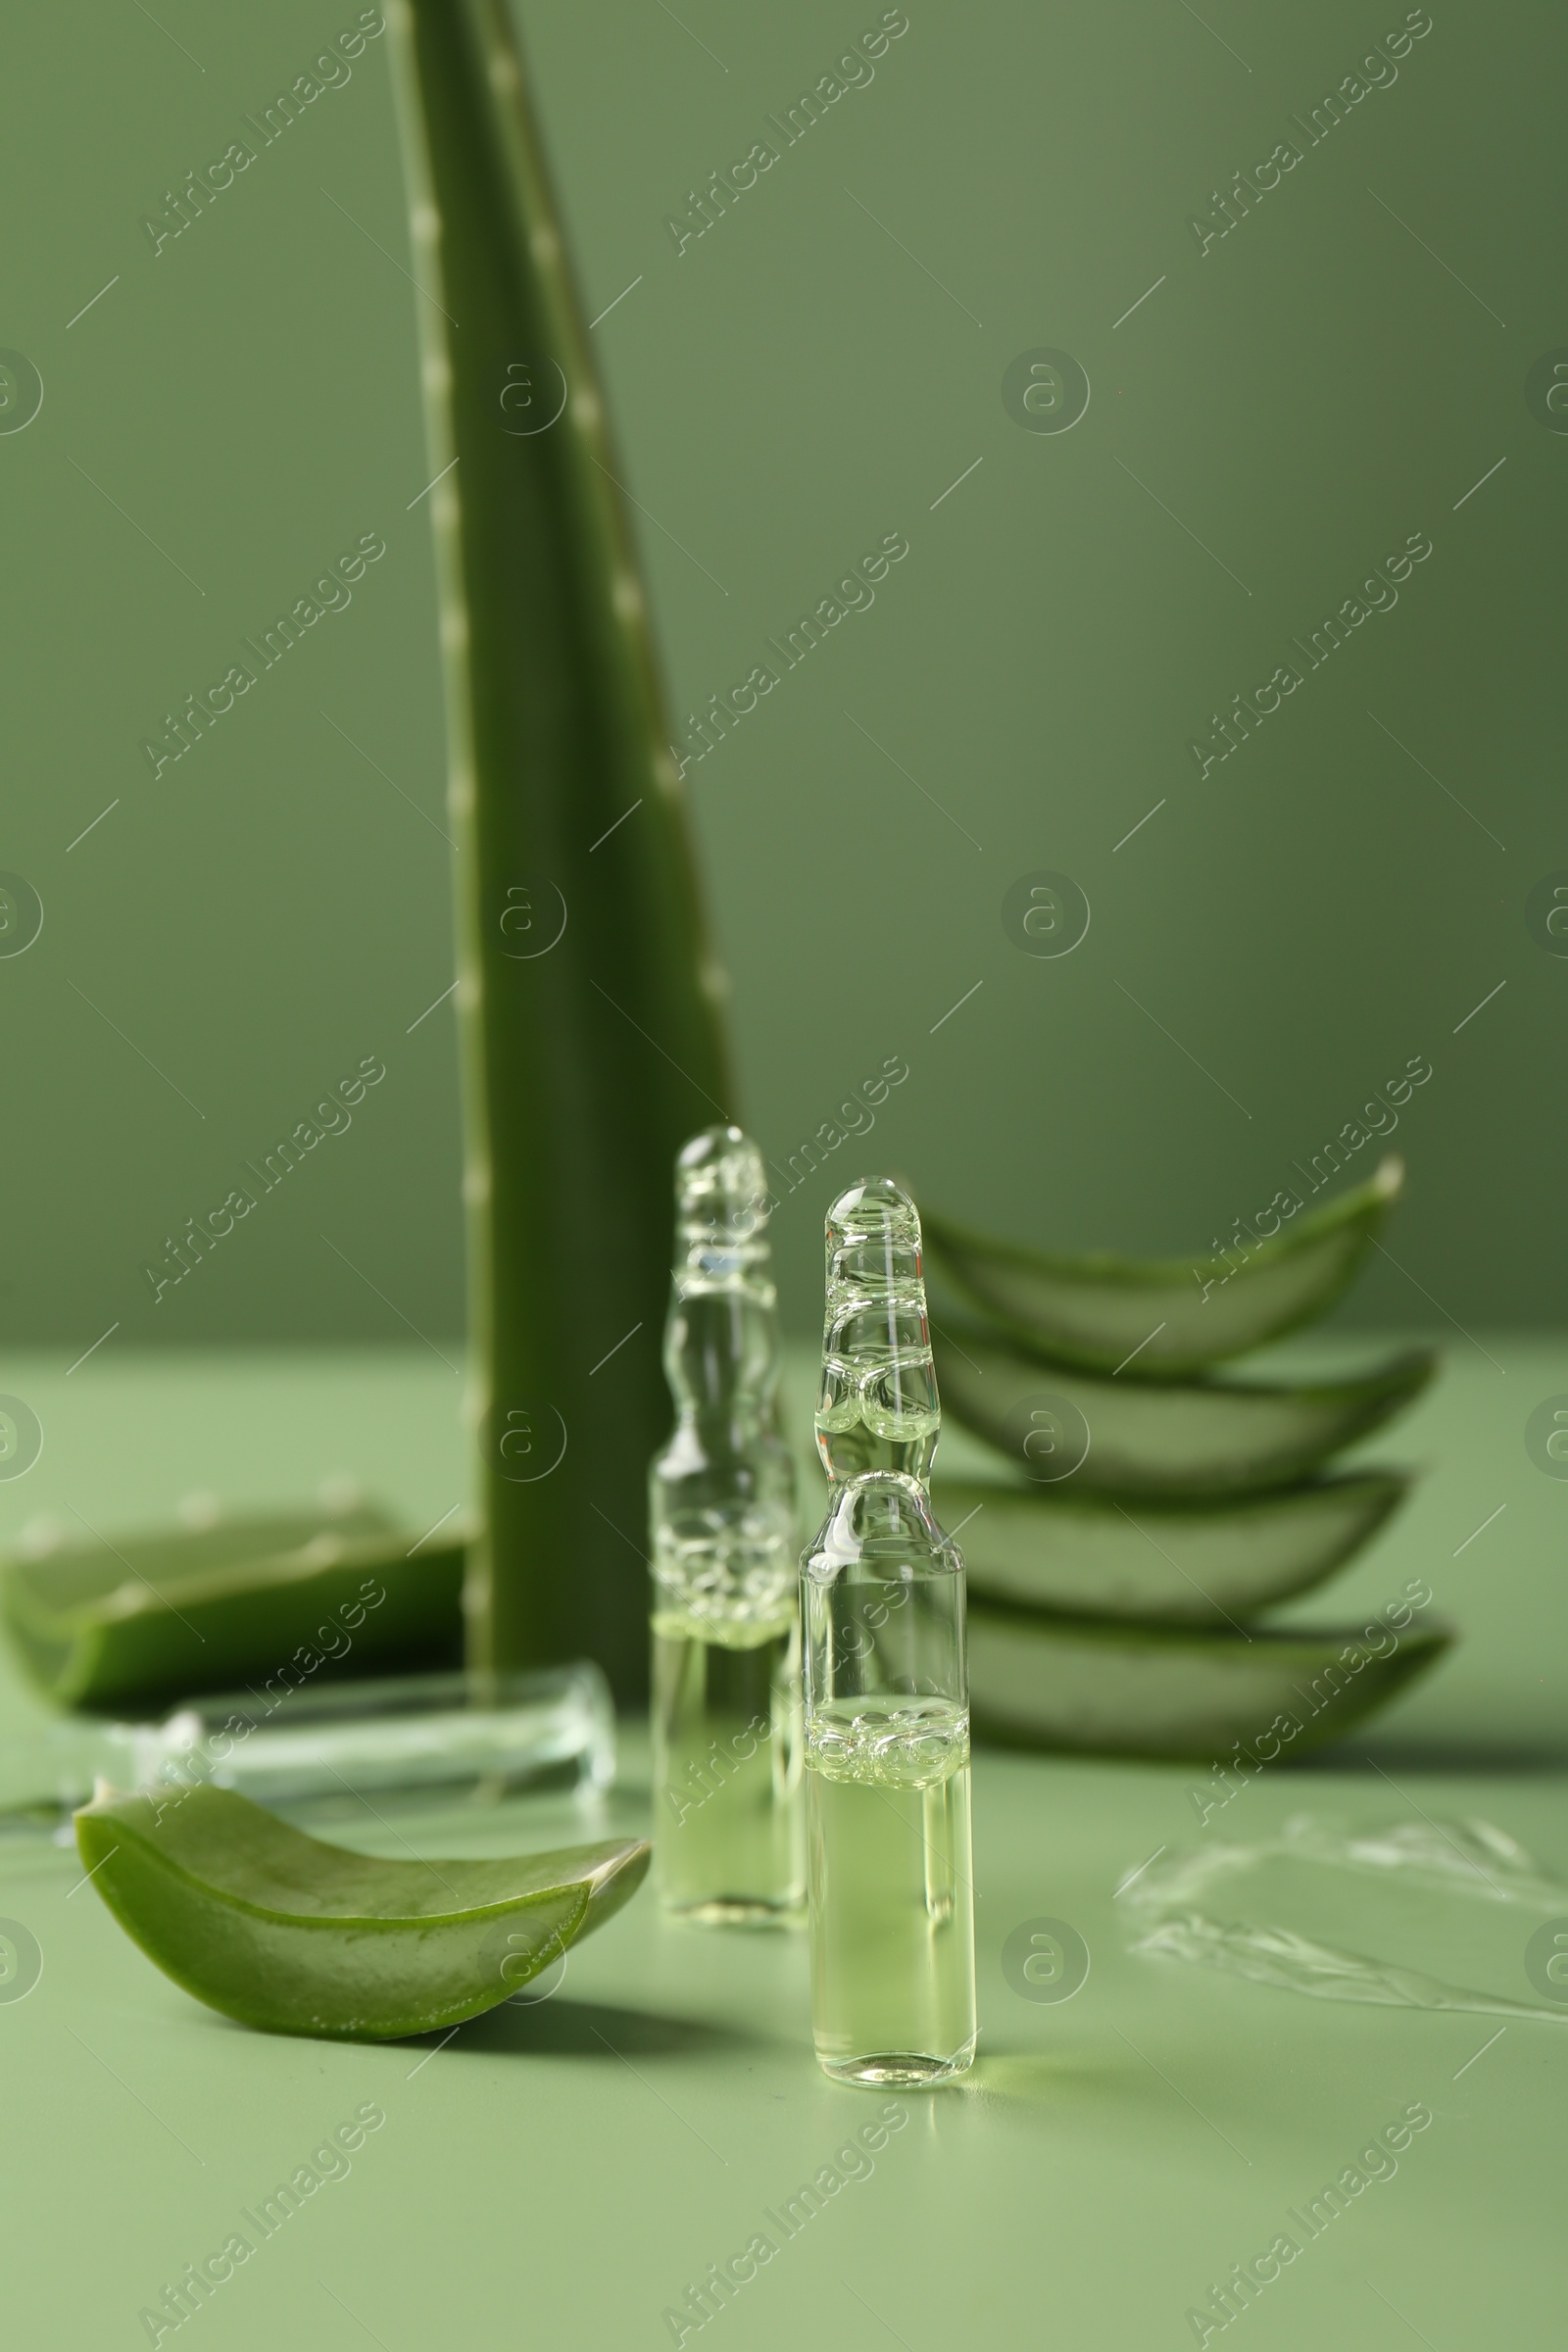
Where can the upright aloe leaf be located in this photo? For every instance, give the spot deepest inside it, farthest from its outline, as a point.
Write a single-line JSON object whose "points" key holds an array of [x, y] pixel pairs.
{"points": [[591, 1042]]}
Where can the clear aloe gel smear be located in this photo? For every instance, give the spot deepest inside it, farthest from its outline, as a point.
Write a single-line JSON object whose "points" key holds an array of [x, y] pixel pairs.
{"points": [[728, 1835], [885, 1687]]}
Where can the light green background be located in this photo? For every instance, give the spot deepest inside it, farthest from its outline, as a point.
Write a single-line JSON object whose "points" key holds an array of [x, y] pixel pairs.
{"points": [[802, 380]]}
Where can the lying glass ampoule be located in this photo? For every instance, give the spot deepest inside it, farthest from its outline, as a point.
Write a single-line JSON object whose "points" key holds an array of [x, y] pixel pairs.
{"points": [[886, 1689], [727, 1834], [434, 1738]]}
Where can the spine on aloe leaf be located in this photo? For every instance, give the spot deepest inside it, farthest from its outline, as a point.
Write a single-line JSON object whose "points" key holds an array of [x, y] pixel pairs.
{"points": [[588, 1002]]}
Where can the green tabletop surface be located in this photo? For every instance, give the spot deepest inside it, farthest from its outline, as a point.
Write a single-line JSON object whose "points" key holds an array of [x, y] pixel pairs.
{"points": [[566, 2173]]}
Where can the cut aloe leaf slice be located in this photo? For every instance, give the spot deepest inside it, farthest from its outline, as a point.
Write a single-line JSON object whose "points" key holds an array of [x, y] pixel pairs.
{"points": [[1180, 1314], [135, 1622], [1103, 1689], [1201, 1439], [284, 1931], [1054, 1547]]}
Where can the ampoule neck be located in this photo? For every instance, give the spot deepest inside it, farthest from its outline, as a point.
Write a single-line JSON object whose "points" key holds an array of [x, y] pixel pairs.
{"points": [[722, 1205], [880, 1513], [877, 1403], [721, 1346]]}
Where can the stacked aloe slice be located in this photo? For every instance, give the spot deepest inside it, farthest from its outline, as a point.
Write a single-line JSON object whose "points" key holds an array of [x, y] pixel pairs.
{"points": [[1146, 1507]]}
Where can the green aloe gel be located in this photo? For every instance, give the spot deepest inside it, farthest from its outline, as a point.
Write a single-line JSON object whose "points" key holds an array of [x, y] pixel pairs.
{"points": [[886, 1692], [721, 1508]]}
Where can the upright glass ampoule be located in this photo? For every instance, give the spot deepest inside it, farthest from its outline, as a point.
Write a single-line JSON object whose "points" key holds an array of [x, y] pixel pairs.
{"points": [[728, 1841], [886, 1686]]}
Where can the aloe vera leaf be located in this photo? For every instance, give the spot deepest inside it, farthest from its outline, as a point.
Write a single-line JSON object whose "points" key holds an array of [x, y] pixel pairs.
{"points": [[1106, 1688], [133, 1622], [588, 1015], [1199, 1439], [297, 1937], [1193, 1563], [1180, 1314]]}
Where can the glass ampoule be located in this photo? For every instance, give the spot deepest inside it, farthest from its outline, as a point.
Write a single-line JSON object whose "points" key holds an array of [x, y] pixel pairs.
{"points": [[728, 1837], [886, 1689]]}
